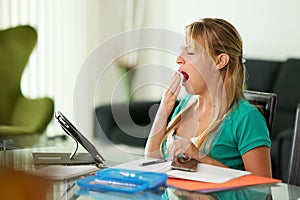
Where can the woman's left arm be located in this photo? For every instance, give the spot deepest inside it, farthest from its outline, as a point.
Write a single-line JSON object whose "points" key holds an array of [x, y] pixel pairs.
{"points": [[258, 161]]}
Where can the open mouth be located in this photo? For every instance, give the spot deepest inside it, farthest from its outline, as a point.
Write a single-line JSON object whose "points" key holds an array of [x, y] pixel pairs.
{"points": [[185, 76]]}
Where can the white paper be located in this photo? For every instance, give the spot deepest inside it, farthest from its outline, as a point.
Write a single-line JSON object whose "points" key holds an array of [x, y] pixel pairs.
{"points": [[60, 172], [205, 172], [209, 173]]}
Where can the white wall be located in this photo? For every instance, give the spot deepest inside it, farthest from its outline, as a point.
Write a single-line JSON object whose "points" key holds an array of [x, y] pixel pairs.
{"points": [[270, 28]]}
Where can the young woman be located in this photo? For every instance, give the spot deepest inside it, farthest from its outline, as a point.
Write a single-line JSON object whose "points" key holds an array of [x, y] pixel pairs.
{"points": [[213, 123]]}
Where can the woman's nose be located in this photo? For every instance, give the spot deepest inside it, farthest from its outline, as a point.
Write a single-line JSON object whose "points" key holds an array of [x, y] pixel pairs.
{"points": [[180, 60]]}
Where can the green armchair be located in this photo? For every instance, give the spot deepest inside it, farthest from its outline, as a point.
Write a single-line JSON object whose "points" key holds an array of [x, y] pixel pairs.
{"points": [[22, 120]]}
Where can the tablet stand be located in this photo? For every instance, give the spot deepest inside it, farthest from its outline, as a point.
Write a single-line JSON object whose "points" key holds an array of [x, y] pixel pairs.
{"points": [[75, 148]]}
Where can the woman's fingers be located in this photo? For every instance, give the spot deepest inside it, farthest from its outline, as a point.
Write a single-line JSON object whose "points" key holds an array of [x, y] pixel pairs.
{"points": [[178, 147], [183, 147], [174, 151], [171, 93], [176, 92], [175, 84]]}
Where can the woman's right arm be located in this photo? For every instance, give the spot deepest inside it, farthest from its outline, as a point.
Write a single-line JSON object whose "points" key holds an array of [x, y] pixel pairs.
{"points": [[166, 106]]}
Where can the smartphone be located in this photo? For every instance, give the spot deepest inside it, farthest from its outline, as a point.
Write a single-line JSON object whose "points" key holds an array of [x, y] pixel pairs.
{"points": [[185, 164]]}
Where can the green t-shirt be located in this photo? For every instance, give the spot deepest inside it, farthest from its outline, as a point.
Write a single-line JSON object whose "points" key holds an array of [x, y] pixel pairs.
{"points": [[243, 129]]}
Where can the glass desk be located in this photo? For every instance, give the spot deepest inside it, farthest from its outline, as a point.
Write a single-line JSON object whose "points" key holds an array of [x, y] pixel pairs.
{"points": [[67, 189]]}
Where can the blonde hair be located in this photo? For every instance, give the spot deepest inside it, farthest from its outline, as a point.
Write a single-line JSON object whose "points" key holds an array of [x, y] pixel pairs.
{"points": [[218, 36]]}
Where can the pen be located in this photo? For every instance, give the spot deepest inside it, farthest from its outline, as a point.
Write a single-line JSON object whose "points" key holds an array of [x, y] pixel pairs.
{"points": [[153, 162]]}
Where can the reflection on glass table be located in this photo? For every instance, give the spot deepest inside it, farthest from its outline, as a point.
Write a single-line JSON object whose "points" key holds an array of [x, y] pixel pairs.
{"points": [[265, 192], [236, 194]]}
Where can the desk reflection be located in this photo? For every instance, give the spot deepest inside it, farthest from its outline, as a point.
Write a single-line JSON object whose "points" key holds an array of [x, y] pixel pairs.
{"points": [[235, 194], [169, 193]]}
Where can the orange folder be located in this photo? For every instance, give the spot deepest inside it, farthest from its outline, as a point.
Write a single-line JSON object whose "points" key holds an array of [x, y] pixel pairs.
{"points": [[243, 181]]}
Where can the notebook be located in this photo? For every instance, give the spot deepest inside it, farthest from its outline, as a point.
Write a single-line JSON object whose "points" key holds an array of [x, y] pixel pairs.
{"points": [[92, 157]]}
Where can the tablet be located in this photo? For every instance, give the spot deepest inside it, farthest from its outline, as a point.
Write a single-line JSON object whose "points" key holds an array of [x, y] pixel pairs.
{"points": [[74, 158], [70, 129]]}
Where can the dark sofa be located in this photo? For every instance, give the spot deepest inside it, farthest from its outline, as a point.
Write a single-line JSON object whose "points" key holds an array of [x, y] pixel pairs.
{"points": [[280, 77], [117, 120], [283, 79], [126, 123]]}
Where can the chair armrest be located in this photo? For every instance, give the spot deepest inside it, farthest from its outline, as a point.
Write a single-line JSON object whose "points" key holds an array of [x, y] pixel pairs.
{"points": [[33, 113], [280, 152]]}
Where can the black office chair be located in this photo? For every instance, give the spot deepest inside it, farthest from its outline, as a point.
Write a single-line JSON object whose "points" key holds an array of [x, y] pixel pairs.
{"points": [[294, 166], [265, 102]]}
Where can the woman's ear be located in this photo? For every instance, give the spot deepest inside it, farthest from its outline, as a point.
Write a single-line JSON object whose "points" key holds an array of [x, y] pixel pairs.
{"points": [[222, 60]]}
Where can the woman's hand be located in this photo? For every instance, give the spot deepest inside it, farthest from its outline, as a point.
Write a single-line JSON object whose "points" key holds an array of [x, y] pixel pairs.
{"points": [[170, 94], [158, 129], [185, 147], [188, 149]]}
